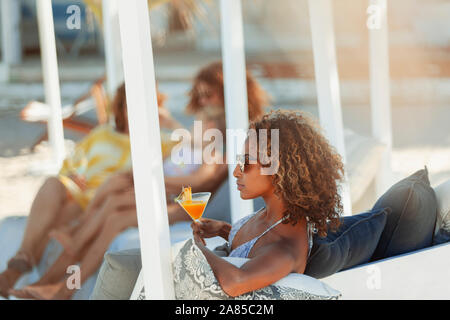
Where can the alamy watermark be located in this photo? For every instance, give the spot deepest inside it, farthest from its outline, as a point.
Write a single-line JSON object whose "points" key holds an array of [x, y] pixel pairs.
{"points": [[74, 280], [211, 143], [374, 11], [374, 280], [74, 20]]}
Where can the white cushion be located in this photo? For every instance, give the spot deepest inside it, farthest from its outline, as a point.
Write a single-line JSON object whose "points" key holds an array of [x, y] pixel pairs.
{"points": [[296, 281], [194, 279], [443, 207]]}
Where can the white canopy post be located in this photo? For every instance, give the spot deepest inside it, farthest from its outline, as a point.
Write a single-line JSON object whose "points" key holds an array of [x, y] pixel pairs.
{"points": [[146, 152], [235, 87], [51, 79], [327, 82], [113, 47], [10, 34], [380, 97]]}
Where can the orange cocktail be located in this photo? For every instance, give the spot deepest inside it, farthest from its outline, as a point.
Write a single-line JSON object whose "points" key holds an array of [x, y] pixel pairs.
{"points": [[194, 208], [193, 203]]}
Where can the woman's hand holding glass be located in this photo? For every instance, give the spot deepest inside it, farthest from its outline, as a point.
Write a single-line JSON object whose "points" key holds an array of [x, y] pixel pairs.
{"points": [[208, 228]]}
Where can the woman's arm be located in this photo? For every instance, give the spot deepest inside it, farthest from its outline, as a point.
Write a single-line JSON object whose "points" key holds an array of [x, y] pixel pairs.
{"points": [[166, 120], [114, 184], [206, 178], [272, 263], [208, 228], [176, 213]]}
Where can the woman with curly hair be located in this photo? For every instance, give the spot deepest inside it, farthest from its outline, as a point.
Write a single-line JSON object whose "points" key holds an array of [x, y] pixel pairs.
{"points": [[301, 197]]}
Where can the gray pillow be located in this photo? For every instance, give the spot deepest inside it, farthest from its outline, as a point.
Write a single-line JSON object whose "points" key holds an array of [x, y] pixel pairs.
{"points": [[119, 272], [118, 275], [410, 225]]}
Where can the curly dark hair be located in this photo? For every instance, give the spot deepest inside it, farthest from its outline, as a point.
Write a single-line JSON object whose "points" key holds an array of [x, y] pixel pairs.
{"points": [[309, 169], [212, 74]]}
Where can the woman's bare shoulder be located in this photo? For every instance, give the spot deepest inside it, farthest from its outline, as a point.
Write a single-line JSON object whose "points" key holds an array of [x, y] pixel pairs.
{"points": [[282, 247], [286, 249]]}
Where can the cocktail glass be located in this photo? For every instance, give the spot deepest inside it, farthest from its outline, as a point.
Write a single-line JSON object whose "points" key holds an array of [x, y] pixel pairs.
{"points": [[196, 206]]}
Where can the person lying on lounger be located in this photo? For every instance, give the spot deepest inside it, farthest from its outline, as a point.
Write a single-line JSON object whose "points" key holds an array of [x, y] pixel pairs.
{"points": [[63, 199], [301, 197], [87, 243], [111, 211]]}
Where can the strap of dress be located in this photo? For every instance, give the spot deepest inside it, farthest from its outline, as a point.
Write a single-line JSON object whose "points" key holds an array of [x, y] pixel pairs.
{"points": [[310, 230], [272, 226], [238, 225]]}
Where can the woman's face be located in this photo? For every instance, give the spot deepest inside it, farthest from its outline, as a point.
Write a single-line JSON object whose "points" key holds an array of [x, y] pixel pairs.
{"points": [[208, 96], [252, 183]]}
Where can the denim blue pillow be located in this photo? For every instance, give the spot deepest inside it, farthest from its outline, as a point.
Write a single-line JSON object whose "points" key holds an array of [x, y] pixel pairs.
{"points": [[410, 225], [353, 244]]}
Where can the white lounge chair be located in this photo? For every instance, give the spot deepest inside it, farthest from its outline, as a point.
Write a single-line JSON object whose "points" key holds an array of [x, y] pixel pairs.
{"points": [[74, 115], [422, 274]]}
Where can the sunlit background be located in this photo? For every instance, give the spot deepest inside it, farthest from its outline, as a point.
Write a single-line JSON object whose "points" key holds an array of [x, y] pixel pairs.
{"points": [[278, 52]]}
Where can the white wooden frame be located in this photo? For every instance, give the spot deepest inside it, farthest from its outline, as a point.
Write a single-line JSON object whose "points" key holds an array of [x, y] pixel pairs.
{"points": [[428, 271], [112, 45], [51, 80], [327, 83], [138, 287], [235, 87], [380, 98], [146, 148], [10, 36]]}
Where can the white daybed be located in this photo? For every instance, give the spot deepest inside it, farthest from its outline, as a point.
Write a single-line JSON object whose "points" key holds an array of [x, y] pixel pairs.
{"points": [[422, 274]]}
